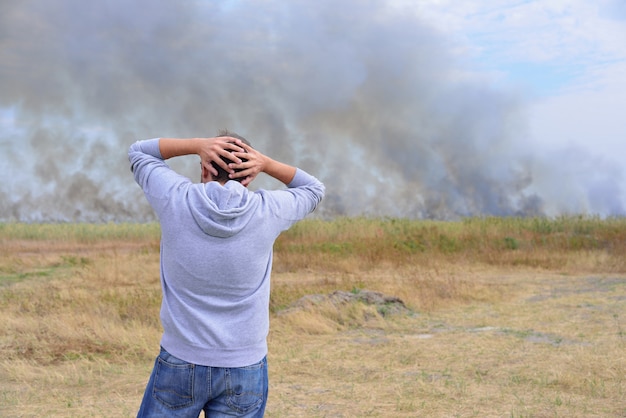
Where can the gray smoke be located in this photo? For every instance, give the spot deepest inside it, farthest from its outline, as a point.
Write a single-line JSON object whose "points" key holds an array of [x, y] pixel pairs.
{"points": [[368, 98]]}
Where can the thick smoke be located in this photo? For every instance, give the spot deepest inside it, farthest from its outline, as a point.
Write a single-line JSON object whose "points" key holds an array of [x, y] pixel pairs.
{"points": [[367, 97]]}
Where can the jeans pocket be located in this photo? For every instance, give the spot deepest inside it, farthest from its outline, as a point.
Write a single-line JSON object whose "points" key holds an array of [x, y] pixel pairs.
{"points": [[173, 382], [247, 387]]}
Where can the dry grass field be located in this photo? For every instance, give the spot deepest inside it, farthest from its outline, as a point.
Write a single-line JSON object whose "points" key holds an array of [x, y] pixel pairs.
{"points": [[494, 317]]}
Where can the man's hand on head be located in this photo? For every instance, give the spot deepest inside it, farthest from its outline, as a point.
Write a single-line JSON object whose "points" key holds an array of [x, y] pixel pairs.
{"points": [[212, 149], [251, 163]]}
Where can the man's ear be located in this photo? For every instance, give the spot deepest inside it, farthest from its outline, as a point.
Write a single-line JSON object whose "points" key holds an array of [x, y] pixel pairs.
{"points": [[206, 174]]}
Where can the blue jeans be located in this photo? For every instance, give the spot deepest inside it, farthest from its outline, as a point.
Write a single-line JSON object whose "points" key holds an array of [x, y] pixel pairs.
{"points": [[180, 389]]}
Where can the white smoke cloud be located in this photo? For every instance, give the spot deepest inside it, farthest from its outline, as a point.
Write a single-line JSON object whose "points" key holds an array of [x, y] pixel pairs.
{"points": [[373, 100]]}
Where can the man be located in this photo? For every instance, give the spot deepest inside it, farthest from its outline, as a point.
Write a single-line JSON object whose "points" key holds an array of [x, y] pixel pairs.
{"points": [[216, 259]]}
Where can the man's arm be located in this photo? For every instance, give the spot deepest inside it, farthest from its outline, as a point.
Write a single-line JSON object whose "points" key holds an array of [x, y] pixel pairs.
{"points": [[304, 193], [280, 171], [257, 163], [209, 149]]}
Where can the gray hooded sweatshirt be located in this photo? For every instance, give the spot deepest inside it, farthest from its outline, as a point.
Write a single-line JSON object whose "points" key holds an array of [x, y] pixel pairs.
{"points": [[216, 257]]}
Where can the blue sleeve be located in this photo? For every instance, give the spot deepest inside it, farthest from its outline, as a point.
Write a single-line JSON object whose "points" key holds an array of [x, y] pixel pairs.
{"points": [[293, 204], [311, 187], [151, 173]]}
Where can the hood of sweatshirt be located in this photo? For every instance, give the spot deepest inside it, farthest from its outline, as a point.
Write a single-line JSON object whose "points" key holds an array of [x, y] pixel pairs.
{"points": [[221, 211]]}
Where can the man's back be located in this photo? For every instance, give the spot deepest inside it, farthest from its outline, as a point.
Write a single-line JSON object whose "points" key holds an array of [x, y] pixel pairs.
{"points": [[216, 258]]}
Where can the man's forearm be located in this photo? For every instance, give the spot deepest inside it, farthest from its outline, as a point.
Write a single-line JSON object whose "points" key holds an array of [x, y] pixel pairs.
{"points": [[176, 147], [280, 171]]}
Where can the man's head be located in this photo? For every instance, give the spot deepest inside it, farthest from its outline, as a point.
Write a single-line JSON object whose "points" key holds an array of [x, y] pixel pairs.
{"points": [[222, 175]]}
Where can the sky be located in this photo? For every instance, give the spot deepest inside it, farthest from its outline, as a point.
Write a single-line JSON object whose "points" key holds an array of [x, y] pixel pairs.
{"points": [[433, 109], [568, 57]]}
